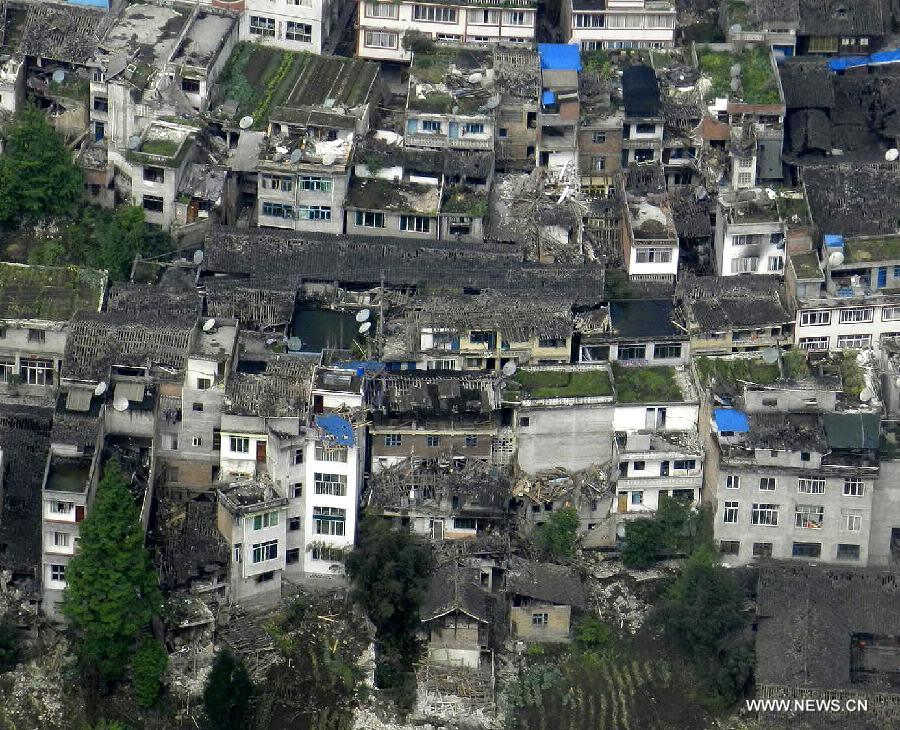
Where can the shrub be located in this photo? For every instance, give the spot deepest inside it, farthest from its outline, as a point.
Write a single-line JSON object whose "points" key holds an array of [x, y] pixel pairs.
{"points": [[148, 666]]}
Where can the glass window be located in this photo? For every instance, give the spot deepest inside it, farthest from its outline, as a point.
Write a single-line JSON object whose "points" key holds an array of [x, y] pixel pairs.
{"points": [[853, 342], [807, 549], [471, 442], [58, 573], [380, 39], [811, 486], [637, 497], [809, 516], [262, 26], [815, 317], [730, 513], [764, 514], [847, 552], [540, 620], [762, 550], [369, 219], [851, 520], [767, 484], [263, 551], [329, 520], [434, 13], [334, 484], [314, 212], [417, 223], [730, 547], [239, 444], [858, 314], [382, 10], [667, 351], [632, 352], [732, 481], [266, 519], [392, 440], [853, 487], [301, 32]]}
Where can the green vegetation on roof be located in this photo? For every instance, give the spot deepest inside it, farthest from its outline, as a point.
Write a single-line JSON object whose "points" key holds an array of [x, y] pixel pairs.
{"points": [[793, 211], [806, 265], [738, 12], [465, 201], [537, 384], [72, 87], [433, 66], [852, 378], [865, 250], [758, 84], [161, 147], [435, 103], [646, 385], [598, 61], [51, 293], [726, 374]]}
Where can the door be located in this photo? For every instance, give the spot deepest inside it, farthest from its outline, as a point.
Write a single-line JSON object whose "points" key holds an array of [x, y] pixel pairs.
{"points": [[437, 529], [664, 469], [882, 277], [318, 404], [79, 513], [623, 502], [454, 130], [99, 131], [260, 451]]}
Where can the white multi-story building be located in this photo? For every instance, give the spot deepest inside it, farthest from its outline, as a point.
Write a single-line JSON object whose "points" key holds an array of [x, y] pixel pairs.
{"points": [[594, 24], [750, 235], [295, 25], [383, 25]]}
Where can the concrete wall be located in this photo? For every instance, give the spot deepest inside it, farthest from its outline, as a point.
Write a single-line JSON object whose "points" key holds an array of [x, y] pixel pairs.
{"points": [[555, 630], [633, 417], [573, 437], [885, 513]]}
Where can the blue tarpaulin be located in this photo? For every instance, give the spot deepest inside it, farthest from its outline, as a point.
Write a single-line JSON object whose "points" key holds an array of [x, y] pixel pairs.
{"points": [[361, 366], [882, 57], [337, 427], [560, 56], [92, 3], [834, 240], [548, 98], [730, 419]]}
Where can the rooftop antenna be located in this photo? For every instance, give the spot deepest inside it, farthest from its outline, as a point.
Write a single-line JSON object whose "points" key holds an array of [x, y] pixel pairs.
{"points": [[246, 122], [892, 154], [365, 327], [121, 403], [362, 315], [101, 388], [209, 325], [836, 258]]}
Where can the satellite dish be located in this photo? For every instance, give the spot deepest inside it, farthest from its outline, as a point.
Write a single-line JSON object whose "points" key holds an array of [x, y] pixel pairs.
{"points": [[296, 155], [866, 395], [509, 369], [836, 258], [209, 325], [121, 403], [892, 154], [295, 344], [770, 355], [246, 122], [365, 327], [198, 257], [362, 315], [735, 70], [281, 150], [101, 388], [134, 141], [328, 159], [59, 76]]}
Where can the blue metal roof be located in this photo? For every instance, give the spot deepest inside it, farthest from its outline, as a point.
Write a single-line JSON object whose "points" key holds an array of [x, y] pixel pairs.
{"points": [[731, 419], [560, 56], [548, 97], [92, 3], [882, 57], [834, 240], [337, 427], [361, 366]]}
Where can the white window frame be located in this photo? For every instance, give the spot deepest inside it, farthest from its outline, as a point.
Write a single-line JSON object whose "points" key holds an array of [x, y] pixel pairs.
{"points": [[730, 513], [316, 183], [331, 484], [811, 486], [853, 487], [239, 444], [853, 342], [732, 481], [329, 521], [814, 344], [265, 551], [851, 520], [764, 514], [58, 572], [767, 484], [331, 453], [37, 371], [393, 440], [415, 223], [434, 14], [809, 516], [265, 520], [382, 10], [890, 314], [369, 219], [262, 26], [298, 32], [652, 255], [381, 39], [815, 318], [61, 539], [856, 314], [314, 212]]}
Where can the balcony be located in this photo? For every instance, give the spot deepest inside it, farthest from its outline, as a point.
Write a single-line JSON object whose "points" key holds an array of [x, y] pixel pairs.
{"points": [[625, 484]]}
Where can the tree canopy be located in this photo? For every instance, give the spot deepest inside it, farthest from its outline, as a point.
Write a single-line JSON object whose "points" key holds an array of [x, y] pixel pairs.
{"points": [[112, 590], [227, 695], [557, 538], [38, 178]]}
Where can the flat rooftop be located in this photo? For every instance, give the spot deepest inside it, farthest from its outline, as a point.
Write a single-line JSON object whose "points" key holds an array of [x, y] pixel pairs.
{"points": [[48, 292], [758, 83], [146, 33], [164, 144], [651, 221], [68, 473], [648, 385], [806, 265], [871, 249], [540, 384], [439, 80], [374, 193], [204, 39]]}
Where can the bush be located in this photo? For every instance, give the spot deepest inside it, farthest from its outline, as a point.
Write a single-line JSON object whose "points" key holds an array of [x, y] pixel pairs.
{"points": [[9, 646], [558, 537], [148, 666], [227, 695], [643, 543]]}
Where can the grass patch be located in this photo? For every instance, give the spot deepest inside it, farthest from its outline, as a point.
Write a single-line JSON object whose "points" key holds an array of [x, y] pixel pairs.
{"points": [[161, 147], [863, 250], [563, 384], [465, 201], [728, 374], [758, 84], [48, 293], [436, 103], [646, 385], [431, 67]]}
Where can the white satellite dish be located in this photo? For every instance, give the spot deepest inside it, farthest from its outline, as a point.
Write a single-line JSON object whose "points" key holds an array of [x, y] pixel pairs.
{"points": [[509, 369], [892, 154], [281, 150], [59, 76], [866, 395], [295, 344], [209, 325], [770, 355], [101, 388], [296, 155], [121, 403], [362, 315], [134, 141], [365, 327], [246, 122], [836, 258], [198, 257]]}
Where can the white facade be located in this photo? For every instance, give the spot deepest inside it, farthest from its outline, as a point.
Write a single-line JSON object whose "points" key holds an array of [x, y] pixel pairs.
{"points": [[382, 25], [622, 24], [295, 25], [646, 470], [660, 417], [749, 248], [835, 325]]}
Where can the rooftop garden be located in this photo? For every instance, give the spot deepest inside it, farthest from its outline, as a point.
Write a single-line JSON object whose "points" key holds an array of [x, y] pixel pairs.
{"points": [[806, 265], [560, 383], [161, 147], [465, 201], [51, 293], [256, 78], [727, 374], [72, 87], [646, 385], [844, 364], [758, 83], [864, 250], [793, 210]]}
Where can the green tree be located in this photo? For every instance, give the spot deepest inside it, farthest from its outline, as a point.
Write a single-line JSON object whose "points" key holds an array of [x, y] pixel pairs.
{"points": [[147, 668], [643, 543], [38, 178], [227, 695], [9, 645], [112, 588], [558, 536]]}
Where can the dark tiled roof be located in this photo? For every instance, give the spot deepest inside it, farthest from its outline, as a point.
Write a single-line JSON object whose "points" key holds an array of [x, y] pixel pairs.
{"points": [[640, 92], [787, 432], [544, 582], [853, 200], [643, 318], [807, 84], [842, 17], [457, 588]]}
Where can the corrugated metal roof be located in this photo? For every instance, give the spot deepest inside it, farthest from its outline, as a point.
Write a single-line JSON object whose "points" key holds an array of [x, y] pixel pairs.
{"points": [[852, 430]]}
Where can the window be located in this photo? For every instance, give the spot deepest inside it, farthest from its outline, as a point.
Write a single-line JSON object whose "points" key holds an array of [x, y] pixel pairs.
{"points": [[265, 577], [296, 490], [293, 524], [853, 487], [417, 223], [637, 497], [645, 128], [471, 442], [393, 440], [292, 556], [434, 14], [263, 551], [298, 456], [684, 464], [101, 104], [745, 178], [762, 550], [744, 239], [7, 368], [320, 184], [771, 402], [598, 137], [516, 17], [262, 26], [382, 10], [433, 441], [204, 383], [667, 351], [653, 255], [196, 441], [730, 515], [62, 508], [237, 552], [551, 342], [368, 219], [774, 454], [585, 20], [197, 406], [730, 547], [266, 519], [853, 342], [851, 520], [36, 372], [484, 17], [276, 182], [314, 212], [334, 484], [61, 539], [767, 484], [764, 514], [655, 418], [152, 203], [811, 486], [431, 125], [744, 265], [889, 314], [380, 39], [598, 163], [524, 421], [473, 128], [239, 444], [858, 314], [301, 32], [327, 553], [464, 523], [805, 455], [277, 210], [58, 573], [776, 263], [847, 552], [154, 174], [638, 466], [632, 352], [190, 86], [540, 620], [813, 343], [815, 317], [329, 520], [732, 481], [809, 516], [331, 453], [807, 549], [502, 132]]}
